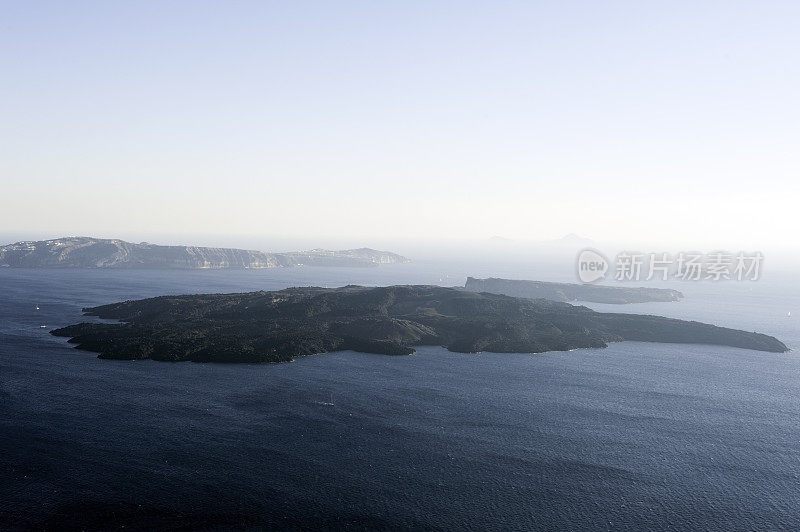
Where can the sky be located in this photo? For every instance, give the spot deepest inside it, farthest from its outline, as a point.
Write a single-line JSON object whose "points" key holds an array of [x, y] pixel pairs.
{"points": [[656, 122]]}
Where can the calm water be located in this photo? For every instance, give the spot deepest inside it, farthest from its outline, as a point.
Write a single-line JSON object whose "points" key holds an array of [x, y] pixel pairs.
{"points": [[633, 436]]}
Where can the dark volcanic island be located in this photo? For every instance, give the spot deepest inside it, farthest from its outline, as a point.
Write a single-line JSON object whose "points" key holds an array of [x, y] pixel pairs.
{"points": [[278, 326]]}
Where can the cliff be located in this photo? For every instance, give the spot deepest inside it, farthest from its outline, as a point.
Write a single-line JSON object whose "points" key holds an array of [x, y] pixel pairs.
{"points": [[85, 252], [277, 326], [571, 292]]}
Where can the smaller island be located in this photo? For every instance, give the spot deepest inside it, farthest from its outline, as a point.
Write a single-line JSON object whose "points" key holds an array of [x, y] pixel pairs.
{"points": [[590, 293], [278, 326]]}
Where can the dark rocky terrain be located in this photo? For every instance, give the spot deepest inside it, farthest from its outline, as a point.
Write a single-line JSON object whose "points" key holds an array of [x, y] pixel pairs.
{"points": [[571, 291], [86, 252], [277, 326]]}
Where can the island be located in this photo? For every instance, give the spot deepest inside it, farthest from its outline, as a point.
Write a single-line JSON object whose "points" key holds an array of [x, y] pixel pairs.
{"points": [[88, 252], [281, 325], [590, 293]]}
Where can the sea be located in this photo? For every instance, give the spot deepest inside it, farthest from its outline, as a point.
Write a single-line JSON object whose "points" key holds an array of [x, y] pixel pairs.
{"points": [[633, 436]]}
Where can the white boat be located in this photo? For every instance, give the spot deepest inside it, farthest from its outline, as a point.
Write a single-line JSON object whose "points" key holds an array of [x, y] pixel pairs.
{"points": [[330, 403]]}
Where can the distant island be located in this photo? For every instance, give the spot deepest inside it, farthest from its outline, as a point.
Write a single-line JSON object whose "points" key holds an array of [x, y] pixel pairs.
{"points": [[278, 326], [87, 252], [590, 293]]}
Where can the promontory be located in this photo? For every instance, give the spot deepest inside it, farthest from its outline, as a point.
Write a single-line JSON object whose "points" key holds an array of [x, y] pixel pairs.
{"points": [[589, 293]]}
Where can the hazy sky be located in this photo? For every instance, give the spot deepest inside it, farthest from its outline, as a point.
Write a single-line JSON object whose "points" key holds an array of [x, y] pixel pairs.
{"points": [[647, 121]]}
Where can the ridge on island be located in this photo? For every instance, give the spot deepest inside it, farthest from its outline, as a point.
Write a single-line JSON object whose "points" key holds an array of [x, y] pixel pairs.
{"points": [[591, 293], [87, 252], [278, 326]]}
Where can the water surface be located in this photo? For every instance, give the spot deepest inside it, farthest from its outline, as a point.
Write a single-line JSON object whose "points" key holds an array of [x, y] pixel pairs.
{"points": [[636, 435]]}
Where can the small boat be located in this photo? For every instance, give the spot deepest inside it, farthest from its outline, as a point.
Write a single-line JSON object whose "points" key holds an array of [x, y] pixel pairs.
{"points": [[43, 326], [37, 307], [323, 403]]}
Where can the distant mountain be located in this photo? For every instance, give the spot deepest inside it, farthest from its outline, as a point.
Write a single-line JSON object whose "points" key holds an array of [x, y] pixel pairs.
{"points": [[86, 252], [571, 291], [573, 240]]}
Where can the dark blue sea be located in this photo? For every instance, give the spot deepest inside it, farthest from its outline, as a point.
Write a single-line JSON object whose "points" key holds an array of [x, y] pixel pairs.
{"points": [[635, 436]]}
